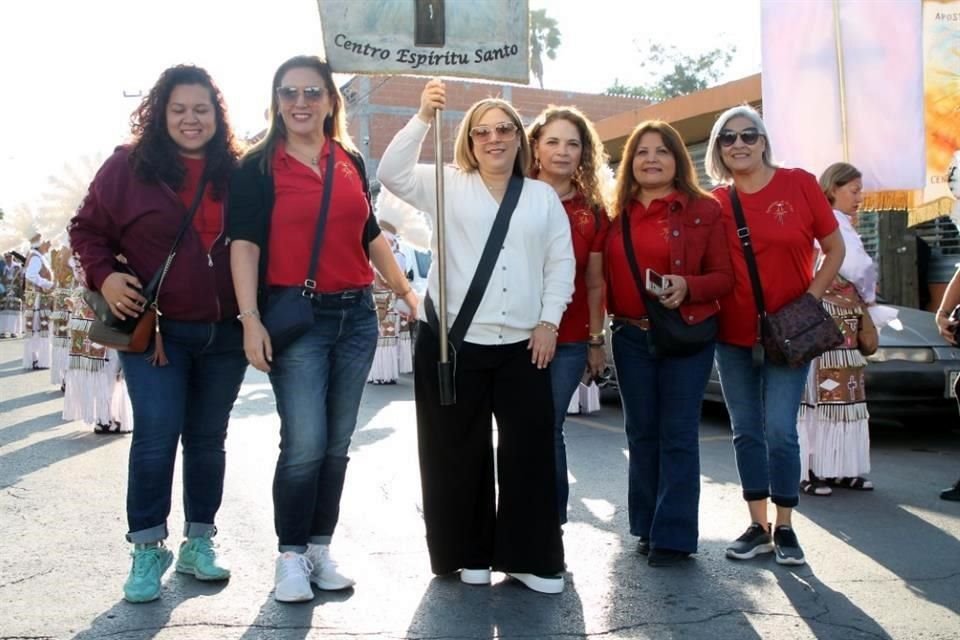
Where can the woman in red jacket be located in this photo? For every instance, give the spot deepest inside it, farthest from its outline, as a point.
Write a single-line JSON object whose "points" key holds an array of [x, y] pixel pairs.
{"points": [[676, 230], [785, 211], [184, 388]]}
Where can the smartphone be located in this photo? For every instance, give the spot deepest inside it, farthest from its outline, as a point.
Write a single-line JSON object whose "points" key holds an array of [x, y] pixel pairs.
{"points": [[656, 283], [955, 317]]}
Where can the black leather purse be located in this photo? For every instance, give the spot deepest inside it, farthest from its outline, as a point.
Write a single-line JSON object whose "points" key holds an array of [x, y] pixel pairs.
{"points": [[672, 336], [288, 311]]}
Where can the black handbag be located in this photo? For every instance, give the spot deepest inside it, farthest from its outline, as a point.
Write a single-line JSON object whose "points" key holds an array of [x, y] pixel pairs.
{"points": [[798, 332], [133, 334], [672, 336], [288, 311], [478, 286]]}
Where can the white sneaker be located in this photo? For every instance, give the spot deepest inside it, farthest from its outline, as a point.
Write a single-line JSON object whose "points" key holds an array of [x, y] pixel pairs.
{"points": [[293, 578], [541, 584], [475, 576], [325, 573]]}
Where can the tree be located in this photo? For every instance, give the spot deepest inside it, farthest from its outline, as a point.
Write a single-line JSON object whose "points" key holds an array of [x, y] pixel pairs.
{"points": [[544, 39], [676, 73]]}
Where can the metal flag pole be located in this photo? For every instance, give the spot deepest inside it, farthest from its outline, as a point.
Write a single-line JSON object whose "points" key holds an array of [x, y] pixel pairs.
{"points": [[445, 367], [843, 86]]}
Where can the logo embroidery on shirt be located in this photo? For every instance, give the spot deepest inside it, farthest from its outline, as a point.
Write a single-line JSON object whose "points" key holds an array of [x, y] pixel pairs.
{"points": [[781, 209], [584, 222], [346, 169]]}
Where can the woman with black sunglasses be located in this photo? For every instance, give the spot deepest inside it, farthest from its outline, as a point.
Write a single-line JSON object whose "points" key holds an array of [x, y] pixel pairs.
{"points": [[785, 211], [318, 379]]}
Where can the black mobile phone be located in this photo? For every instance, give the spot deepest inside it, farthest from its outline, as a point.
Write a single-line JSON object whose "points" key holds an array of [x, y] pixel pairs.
{"points": [[955, 317]]}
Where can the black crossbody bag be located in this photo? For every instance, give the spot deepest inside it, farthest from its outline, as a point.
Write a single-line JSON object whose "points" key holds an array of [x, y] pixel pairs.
{"points": [[133, 334], [288, 312], [672, 336], [478, 285]]}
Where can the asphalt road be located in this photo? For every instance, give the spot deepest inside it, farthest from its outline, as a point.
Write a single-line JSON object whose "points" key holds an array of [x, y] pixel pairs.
{"points": [[884, 564]]}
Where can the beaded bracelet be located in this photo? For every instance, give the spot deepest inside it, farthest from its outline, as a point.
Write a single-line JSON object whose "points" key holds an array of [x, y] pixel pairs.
{"points": [[548, 325]]}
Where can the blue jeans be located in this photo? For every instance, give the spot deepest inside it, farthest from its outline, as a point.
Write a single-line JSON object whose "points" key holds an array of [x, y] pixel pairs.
{"points": [[566, 370], [189, 401], [318, 382], [763, 403], [661, 410]]}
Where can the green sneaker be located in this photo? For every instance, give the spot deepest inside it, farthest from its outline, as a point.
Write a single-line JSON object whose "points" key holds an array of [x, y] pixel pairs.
{"points": [[198, 558], [149, 563]]}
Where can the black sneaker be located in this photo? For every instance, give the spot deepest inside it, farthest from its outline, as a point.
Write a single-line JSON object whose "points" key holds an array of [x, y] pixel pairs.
{"points": [[754, 541], [953, 493], [787, 547], [643, 546], [666, 557]]}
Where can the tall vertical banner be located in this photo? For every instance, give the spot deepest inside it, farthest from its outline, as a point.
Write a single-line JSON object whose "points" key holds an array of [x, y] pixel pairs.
{"points": [[843, 80], [465, 38], [941, 44]]}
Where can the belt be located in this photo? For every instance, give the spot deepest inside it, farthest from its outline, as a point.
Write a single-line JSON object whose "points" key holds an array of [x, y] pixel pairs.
{"points": [[335, 296], [642, 323]]}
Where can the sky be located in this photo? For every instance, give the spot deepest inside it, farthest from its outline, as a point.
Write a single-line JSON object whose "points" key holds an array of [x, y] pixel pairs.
{"points": [[66, 64]]}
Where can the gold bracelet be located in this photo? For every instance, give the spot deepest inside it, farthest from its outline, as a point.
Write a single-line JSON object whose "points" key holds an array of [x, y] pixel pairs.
{"points": [[249, 313], [597, 335]]}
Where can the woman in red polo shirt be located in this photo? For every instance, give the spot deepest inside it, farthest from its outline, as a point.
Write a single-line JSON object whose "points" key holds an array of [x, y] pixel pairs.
{"points": [[785, 211], [319, 377], [568, 155], [677, 231]]}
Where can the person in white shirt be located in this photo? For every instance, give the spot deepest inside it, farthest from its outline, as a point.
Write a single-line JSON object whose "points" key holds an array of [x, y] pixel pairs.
{"points": [[37, 305], [501, 369]]}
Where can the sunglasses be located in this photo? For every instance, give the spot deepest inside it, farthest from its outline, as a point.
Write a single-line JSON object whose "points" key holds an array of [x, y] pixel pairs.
{"points": [[291, 94], [504, 131], [727, 138]]}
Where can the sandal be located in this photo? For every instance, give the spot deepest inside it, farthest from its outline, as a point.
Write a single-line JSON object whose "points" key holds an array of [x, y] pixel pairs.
{"points": [[101, 428], [857, 484], [815, 488]]}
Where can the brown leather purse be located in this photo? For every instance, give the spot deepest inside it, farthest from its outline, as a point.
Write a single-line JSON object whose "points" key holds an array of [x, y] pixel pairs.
{"points": [[868, 338]]}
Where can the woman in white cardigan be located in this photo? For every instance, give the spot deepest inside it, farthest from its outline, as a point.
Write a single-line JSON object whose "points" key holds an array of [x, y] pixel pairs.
{"points": [[501, 369]]}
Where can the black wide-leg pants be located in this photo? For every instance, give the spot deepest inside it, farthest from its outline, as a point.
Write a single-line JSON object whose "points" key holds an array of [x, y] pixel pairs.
{"points": [[469, 523]]}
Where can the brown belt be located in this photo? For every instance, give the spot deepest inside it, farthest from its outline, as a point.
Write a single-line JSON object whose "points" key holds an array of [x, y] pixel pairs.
{"points": [[642, 323]]}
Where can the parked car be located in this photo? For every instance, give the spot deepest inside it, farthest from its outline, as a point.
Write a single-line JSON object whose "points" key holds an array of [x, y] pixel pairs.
{"points": [[910, 376]]}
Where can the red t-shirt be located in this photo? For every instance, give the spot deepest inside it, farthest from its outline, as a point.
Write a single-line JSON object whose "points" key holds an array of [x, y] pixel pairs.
{"points": [[587, 231], [650, 231], [784, 219], [208, 220], [343, 264]]}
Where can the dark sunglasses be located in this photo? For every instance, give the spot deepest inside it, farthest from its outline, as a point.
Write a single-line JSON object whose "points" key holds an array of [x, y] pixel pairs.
{"points": [[504, 130], [727, 137], [291, 94]]}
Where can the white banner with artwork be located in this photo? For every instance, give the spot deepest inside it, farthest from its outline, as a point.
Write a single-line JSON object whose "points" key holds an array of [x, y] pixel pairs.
{"points": [[464, 38], [941, 44], [882, 56]]}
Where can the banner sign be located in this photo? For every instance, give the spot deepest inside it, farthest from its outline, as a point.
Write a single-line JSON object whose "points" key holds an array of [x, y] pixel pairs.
{"points": [[880, 91], [941, 45], [465, 38]]}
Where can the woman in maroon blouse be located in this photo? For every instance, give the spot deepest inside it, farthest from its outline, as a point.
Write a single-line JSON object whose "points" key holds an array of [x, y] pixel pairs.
{"points": [[677, 231], [182, 392], [319, 378]]}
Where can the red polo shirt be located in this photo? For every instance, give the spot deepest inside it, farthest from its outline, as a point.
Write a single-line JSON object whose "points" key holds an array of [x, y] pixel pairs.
{"points": [[208, 220], [784, 219], [587, 231], [343, 264], [650, 231]]}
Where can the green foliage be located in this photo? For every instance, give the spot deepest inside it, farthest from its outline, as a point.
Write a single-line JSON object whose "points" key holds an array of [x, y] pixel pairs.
{"points": [[544, 40], [675, 73]]}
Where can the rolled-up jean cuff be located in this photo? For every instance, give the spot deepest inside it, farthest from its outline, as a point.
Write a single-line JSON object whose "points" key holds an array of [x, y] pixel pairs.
{"points": [[148, 536], [750, 496], [199, 530], [295, 548], [785, 501], [320, 539]]}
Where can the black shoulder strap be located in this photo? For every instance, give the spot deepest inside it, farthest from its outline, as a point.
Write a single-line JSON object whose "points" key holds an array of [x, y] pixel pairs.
{"points": [[152, 290], [309, 283], [743, 232], [628, 250], [488, 259]]}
